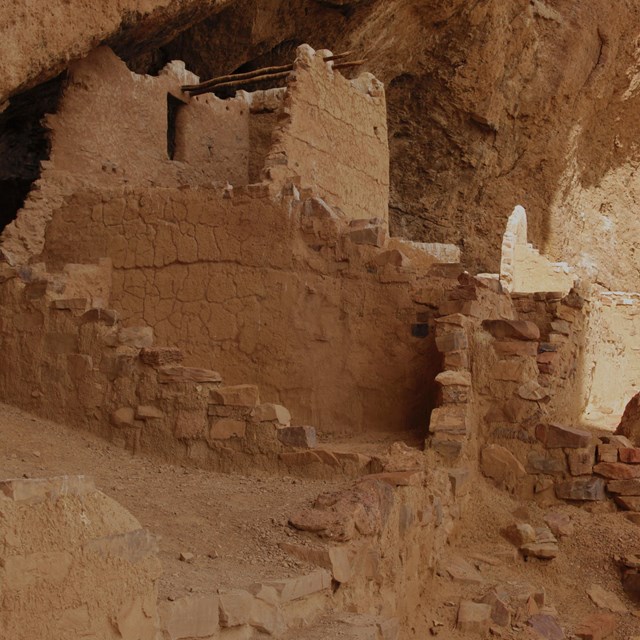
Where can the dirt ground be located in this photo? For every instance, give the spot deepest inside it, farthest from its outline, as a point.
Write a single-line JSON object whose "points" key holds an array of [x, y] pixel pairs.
{"points": [[233, 525], [585, 559]]}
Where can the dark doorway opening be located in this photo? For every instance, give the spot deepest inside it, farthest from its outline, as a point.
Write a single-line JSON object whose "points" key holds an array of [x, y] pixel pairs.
{"points": [[173, 106]]}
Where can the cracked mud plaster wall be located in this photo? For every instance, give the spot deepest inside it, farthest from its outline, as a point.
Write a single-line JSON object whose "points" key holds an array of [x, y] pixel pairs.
{"points": [[336, 138], [231, 282], [74, 563]]}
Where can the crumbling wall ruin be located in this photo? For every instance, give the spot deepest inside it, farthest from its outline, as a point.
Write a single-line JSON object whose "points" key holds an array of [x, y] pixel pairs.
{"points": [[243, 278], [74, 563]]}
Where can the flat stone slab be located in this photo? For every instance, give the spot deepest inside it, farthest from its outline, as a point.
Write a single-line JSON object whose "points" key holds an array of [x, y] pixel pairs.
{"points": [[555, 436], [590, 489]]}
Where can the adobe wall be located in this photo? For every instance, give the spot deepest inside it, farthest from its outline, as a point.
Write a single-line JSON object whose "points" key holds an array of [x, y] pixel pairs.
{"points": [[238, 286], [334, 137], [74, 563]]}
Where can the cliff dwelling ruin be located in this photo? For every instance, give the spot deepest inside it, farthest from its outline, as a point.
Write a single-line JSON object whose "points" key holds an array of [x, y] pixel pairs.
{"points": [[314, 343]]}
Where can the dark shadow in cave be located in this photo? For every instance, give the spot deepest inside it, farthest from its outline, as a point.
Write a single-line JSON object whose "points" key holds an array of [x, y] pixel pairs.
{"points": [[24, 144]]}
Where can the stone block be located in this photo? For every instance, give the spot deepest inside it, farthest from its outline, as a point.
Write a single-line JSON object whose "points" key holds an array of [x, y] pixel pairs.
{"points": [[302, 437], [234, 608], [628, 503], [559, 523], [178, 373], [227, 428], [35, 490], [605, 599], [241, 395], [136, 337], [532, 390], [452, 394], [456, 360], [520, 533], [461, 571], [462, 307], [617, 470], [631, 583], [147, 412], [474, 617], [618, 441], [630, 455], [502, 466], [454, 378], [556, 436], [460, 481], [107, 316], [509, 370], [295, 588], [633, 516], [607, 453], [413, 478], [546, 462], [624, 487], [515, 348], [191, 424], [161, 356], [546, 626], [597, 626], [452, 341], [451, 419], [271, 413], [583, 488], [194, 616], [512, 329], [450, 450], [581, 461], [370, 234], [336, 559], [500, 612], [123, 417], [561, 326]]}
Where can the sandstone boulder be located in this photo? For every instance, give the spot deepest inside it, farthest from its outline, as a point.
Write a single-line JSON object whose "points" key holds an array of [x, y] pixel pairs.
{"points": [[501, 465], [630, 422]]}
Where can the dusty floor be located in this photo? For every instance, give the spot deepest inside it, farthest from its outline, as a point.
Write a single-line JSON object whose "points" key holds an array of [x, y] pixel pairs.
{"points": [[233, 524]]}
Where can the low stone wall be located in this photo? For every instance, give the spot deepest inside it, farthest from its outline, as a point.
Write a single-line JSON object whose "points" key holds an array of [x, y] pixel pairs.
{"points": [[74, 563]]}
